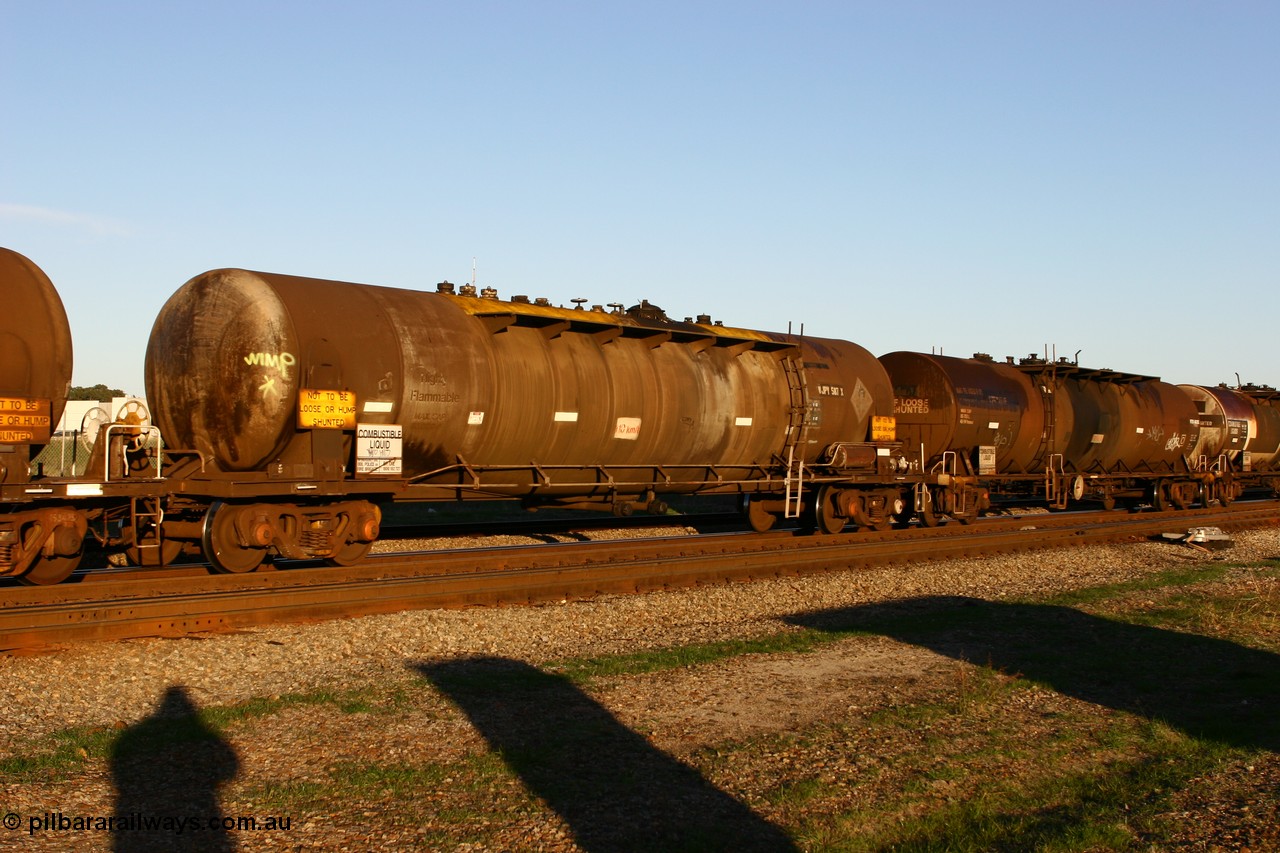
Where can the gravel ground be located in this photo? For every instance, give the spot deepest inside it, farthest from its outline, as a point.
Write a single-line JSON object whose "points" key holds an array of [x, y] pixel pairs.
{"points": [[120, 683], [678, 711]]}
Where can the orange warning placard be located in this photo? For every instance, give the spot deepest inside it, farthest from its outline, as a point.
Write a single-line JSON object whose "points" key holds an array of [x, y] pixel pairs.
{"points": [[883, 428], [25, 421], [319, 409]]}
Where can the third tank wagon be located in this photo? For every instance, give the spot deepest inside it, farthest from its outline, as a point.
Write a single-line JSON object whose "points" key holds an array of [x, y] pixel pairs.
{"points": [[1080, 430]]}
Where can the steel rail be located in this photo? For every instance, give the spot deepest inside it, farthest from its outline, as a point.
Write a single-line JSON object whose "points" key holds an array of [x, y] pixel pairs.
{"points": [[32, 619]]}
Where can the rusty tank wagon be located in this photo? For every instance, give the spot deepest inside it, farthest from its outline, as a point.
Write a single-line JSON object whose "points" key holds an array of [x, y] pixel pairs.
{"points": [[35, 363], [1053, 428], [1239, 427], [38, 539], [272, 384], [45, 518]]}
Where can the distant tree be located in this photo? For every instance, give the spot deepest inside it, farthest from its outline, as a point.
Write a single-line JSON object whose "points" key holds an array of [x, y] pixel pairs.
{"points": [[97, 392]]}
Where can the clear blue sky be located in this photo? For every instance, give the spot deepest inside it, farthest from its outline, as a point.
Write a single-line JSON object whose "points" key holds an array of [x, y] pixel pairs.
{"points": [[975, 176]]}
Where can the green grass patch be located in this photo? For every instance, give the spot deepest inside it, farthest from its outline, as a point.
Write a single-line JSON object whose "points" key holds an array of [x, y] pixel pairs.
{"points": [[795, 792], [1250, 618], [58, 752], [288, 797], [1109, 808], [580, 670], [53, 756], [459, 793], [1180, 576], [986, 787]]}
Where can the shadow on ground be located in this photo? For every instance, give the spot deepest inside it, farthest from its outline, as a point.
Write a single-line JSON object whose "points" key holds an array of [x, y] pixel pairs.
{"points": [[167, 770], [615, 790], [1205, 687]]}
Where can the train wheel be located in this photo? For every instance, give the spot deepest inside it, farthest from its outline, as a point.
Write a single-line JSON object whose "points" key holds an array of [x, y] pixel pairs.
{"points": [[349, 554], [825, 511], [221, 543], [1160, 497], [47, 571], [760, 518]]}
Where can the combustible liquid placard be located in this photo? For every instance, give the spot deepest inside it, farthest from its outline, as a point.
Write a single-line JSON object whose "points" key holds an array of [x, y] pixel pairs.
{"points": [[379, 448]]}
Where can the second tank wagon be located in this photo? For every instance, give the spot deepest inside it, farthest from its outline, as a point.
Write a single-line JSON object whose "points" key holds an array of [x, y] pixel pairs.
{"points": [[239, 364], [285, 383]]}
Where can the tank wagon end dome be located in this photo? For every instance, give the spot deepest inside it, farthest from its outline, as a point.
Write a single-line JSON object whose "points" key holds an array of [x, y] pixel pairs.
{"points": [[221, 368], [947, 403], [35, 337]]}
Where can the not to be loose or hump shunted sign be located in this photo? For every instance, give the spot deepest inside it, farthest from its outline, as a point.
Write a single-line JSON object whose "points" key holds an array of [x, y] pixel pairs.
{"points": [[25, 421]]}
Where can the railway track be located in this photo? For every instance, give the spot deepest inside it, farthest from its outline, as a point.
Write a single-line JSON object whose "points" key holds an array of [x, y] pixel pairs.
{"points": [[95, 571], [147, 604]]}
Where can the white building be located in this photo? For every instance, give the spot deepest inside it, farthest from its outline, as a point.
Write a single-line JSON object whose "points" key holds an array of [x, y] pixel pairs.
{"points": [[73, 415]]}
